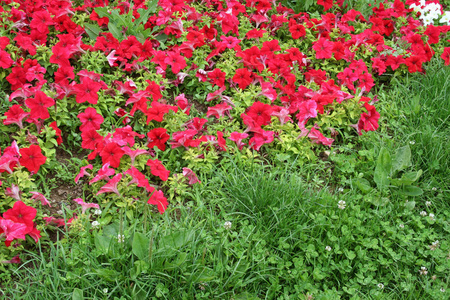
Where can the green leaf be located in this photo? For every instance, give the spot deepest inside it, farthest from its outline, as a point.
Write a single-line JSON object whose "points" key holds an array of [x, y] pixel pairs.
{"points": [[383, 169], [177, 239], [152, 6], [401, 159], [140, 246], [410, 205], [410, 190], [144, 13], [102, 12], [115, 31], [77, 294], [363, 184], [102, 242], [92, 30]]}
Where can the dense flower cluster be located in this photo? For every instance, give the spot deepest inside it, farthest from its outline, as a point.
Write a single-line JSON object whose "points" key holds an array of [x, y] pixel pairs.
{"points": [[263, 70]]}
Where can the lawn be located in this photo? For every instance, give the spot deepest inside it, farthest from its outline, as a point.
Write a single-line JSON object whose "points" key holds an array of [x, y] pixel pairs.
{"points": [[224, 150]]}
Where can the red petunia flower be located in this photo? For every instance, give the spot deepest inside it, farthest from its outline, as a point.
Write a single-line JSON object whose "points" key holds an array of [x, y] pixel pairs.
{"points": [[158, 137], [323, 48], [39, 105], [243, 77], [158, 169], [112, 153], [90, 119], [217, 77], [21, 213], [15, 115], [32, 158], [111, 186], [175, 60], [158, 199]]}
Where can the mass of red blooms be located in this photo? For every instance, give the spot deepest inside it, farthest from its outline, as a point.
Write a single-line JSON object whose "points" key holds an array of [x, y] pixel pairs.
{"points": [[301, 68]]}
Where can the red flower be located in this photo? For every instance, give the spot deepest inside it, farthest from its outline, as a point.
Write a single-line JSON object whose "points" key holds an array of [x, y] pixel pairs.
{"points": [[156, 112], [12, 230], [217, 77], [158, 169], [158, 137], [5, 60], [112, 153], [41, 20], [369, 120], [327, 4], [90, 138], [190, 175], [90, 119], [15, 115], [139, 179], [297, 30], [324, 48], [159, 200], [260, 113], [32, 158], [175, 60], [87, 91], [58, 132], [21, 213], [39, 105], [243, 77], [446, 56], [219, 110]]}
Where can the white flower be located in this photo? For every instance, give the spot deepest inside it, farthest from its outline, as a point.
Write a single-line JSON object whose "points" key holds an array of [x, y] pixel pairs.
{"points": [[423, 271], [380, 286], [227, 225], [434, 245], [431, 217], [434, 189], [442, 290], [341, 189], [105, 291], [97, 212], [120, 238], [412, 142], [445, 18], [428, 203], [328, 248], [95, 224], [341, 204], [401, 226], [423, 213]]}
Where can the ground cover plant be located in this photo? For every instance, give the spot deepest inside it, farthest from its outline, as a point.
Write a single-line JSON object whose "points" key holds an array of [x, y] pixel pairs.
{"points": [[224, 149]]}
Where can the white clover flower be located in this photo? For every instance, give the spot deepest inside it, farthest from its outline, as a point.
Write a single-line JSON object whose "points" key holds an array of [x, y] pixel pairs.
{"points": [[95, 224], [227, 225], [431, 217], [380, 286], [341, 204], [105, 291], [434, 189], [412, 142], [401, 226], [341, 189], [97, 212], [328, 248], [434, 245], [428, 203], [442, 290], [423, 213], [423, 271]]}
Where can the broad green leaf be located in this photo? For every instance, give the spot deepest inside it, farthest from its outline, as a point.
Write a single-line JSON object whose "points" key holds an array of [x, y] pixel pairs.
{"points": [[407, 178], [115, 31], [411, 190], [152, 6], [401, 159], [383, 169], [77, 294], [177, 239], [120, 20], [102, 12], [363, 184], [92, 30], [140, 246], [102, 242]]}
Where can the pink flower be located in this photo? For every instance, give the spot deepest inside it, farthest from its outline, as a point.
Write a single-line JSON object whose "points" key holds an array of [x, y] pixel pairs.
{"points": [[159, 200], [103, 173], [83, 172], [84, 205], [111, 186], [189, 174], [40, 197]]}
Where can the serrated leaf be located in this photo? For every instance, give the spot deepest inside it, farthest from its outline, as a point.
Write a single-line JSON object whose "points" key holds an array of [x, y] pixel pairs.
{"points": [[383, 169], [401, 159], [140, 246]]}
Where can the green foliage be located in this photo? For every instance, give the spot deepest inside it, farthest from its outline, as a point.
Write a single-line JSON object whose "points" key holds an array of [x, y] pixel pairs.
{"points": [[123, 25]]}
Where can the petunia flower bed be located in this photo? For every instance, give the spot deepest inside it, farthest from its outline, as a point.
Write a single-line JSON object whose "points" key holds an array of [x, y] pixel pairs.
{"points": [[155, 93]]}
